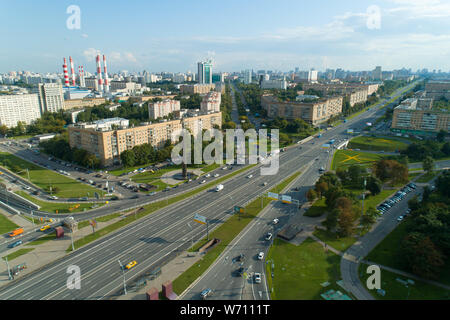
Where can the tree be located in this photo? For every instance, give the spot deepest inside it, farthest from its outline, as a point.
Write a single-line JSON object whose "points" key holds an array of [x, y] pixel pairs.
{"points": [[321, 188], [446, 148], [369, 218], [428, 164], [331, 220], [311, 195], [345, 223], [421, 256], [128, 159], [374, 185], [440, 137], [443, 183], [3, 129]]}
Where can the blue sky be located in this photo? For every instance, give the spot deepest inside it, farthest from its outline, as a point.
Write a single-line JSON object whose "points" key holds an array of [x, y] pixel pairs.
{"points": [[172, 35]]}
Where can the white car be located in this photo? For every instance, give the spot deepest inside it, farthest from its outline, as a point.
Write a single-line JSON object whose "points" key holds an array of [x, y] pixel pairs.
{"points": [[208, 175], [261, 255], [224, 168], [275, 221], [216, 175], [257, 276], [202, 182], [250, 176], [400, 218]]}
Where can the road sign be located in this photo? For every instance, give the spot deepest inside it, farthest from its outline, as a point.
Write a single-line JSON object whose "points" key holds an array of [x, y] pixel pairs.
{"points": [[286, 199], [326, 146], [200, 219], [273, 196]]}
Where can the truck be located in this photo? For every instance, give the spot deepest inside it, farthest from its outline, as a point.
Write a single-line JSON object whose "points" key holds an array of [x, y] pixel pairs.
{"points": [[219, 187], [319, 135], [15, 232]]}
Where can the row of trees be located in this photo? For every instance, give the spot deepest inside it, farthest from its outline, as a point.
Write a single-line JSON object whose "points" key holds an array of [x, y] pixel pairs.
{"points": [[48, 123], [127, 110], [59, 147], [298, 127], [144, 154], [418, 151]]}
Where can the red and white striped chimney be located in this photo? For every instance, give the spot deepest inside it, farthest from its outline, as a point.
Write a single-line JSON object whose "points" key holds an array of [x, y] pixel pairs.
{"points": [[82, 81], [72, 71], [66, 74], [105, 71], [99, 75]]}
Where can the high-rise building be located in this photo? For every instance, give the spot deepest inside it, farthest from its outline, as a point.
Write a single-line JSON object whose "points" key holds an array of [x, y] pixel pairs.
{"points": [[19, 107], [162, 108], [211, 102], [51, 97], [248, 76], [377, 74], [205, 72]]}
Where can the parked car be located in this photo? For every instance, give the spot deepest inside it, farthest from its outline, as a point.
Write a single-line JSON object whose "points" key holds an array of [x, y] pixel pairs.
{"points": [[268, 236], [261, 255]]}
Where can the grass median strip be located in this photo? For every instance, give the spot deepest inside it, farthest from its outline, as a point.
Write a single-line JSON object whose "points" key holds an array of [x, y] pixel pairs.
{"points": [[6, 225], [42, 240], [18, 253], [149, 209], [226, 233]]}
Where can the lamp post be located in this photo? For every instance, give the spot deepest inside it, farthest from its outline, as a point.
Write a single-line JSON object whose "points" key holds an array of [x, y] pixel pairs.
{"points": [[124, 283]]}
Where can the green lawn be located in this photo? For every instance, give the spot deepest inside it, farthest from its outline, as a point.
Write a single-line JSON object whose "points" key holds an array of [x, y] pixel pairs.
{"points": [[426, 177], [299, 270], [376, 144], [317, 209], [6, 225], [341, 244], [43, 178], [18, 253], [387, 252], [226, 233], [343, 158], [411, 176], [397, 291], [61, 207]]}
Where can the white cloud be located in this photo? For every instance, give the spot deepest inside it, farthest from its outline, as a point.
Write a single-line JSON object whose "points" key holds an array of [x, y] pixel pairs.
{"points": [[417, 9], [90, 54]]}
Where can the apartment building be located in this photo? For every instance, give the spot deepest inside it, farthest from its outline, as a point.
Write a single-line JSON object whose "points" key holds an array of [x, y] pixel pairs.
{"points": [[418, 116], [19, 107], [357, 93], [108, 138], [163, 108], [437, 89], [274, 84], [197, 88], [83, 103], [312, 112], [211, 102], [51, 97]]}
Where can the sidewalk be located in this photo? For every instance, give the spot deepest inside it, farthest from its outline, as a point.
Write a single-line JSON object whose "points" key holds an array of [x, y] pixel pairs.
{"points": [[169, 272]]}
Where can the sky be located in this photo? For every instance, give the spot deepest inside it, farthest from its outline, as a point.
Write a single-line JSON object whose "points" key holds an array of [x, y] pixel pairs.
{"points": [[173, 35]]}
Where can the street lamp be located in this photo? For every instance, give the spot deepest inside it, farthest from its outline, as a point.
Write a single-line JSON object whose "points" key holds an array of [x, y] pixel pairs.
{"points": [[123, 272]]}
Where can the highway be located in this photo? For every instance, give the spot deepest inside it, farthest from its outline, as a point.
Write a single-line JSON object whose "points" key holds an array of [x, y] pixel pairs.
{"points": [[155, 239], [221, 276]]}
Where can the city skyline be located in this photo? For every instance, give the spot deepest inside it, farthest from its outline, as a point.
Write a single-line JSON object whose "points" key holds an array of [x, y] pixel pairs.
{"points": [[174, 36]]}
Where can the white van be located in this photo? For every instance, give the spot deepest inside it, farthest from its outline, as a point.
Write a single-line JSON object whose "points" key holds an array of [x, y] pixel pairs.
{"points": [[219, 187]]}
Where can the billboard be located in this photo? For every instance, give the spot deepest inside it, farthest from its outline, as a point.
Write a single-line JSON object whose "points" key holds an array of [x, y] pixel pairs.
{"points": [[238, 209], [273, 196], [325, 146], [200, 219], [286, 199]]}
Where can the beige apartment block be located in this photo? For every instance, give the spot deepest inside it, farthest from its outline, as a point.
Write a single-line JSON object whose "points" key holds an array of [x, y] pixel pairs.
{"points": [[82, 103], [312, 112], [108, 142]]}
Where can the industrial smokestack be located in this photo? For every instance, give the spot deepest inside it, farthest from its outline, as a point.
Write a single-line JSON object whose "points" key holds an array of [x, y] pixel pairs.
{"points": [[72, 71], [82, 81], [66, 74], [99, 75], [106, 74]]}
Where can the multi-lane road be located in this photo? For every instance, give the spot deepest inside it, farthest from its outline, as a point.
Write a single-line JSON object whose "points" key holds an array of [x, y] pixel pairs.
{"points": [[155, 239]]}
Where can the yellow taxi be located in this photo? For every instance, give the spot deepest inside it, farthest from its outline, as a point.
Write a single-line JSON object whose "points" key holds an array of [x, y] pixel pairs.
{"points": [[131, 264], [45, 228], [51, 220]]}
